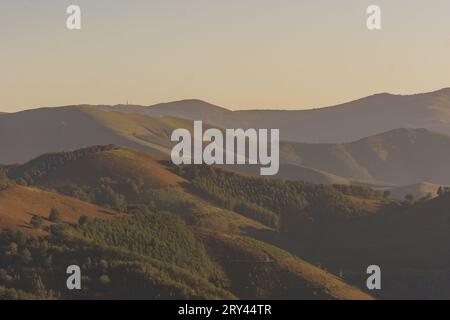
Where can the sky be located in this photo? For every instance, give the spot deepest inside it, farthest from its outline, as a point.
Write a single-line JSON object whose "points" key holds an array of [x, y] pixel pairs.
{"points": [[240, 54]]}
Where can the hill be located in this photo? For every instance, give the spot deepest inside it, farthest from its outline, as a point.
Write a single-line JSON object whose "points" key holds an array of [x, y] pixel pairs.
{"points": [[260, 271], [294, 172], [408, 241], [399, 157], [167, 227], [31, 133], [192, 109], [19, 204], [87, 166], [418, 190], [336, 124]]}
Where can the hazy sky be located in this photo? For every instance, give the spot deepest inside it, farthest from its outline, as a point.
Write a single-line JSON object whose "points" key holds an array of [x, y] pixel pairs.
{"points": [[234, 53]]}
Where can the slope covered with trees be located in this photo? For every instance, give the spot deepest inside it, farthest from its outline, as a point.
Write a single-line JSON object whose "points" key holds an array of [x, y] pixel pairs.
{"points": [[156, 245], [284, 204]]}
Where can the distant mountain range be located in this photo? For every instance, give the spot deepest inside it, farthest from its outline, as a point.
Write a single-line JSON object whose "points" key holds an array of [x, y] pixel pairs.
{"points": [[337, 124], [204, 232], [394, 140]]}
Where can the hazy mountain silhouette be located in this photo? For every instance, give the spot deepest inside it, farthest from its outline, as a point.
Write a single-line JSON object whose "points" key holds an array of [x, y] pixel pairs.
{"points": [[25, 135], [401, 157], [342, 123]]}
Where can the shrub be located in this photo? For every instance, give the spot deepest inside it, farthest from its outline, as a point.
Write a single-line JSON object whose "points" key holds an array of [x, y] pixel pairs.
{"points": [[37, 222], [83, 220], [55, 216]]}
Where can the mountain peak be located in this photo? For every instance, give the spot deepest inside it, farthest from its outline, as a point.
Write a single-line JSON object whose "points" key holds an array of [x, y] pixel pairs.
{"points": [[189, 108]]}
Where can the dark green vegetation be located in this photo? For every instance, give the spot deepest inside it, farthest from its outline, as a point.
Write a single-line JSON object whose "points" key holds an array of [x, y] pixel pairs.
{"points": [[162, 236], [206, 232], [35, 267], [361, 191], [32, 171], [170, 241], [276, 203], [408, 240]]}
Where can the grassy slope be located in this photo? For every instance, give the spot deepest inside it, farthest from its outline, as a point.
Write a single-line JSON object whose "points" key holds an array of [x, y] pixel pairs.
{"points": [[31, 133], [261, 271], [150, 132], [19, 204], [119, 164], [256, 269]]}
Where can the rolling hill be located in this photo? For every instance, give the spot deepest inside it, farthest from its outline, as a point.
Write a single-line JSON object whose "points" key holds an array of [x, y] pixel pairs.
{"points": [[409, 242], [153, 242], [387, 126], [399, 157], [31, 133], [336, 124], [261, 271], [87, 166], [294, 172]]}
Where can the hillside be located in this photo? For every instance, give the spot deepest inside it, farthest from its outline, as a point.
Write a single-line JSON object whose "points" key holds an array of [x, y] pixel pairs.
{"points": [[294, 172], [261, 271], [419, 190], [409, 242], [19, 204], [168, 226], [31, 133], [400, 157], [336, 124], [189, 109], [88, 166]]}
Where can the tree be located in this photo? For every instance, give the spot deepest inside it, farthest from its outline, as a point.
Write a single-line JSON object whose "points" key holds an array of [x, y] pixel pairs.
{"points": [[104, 280], [83, 220], [37, 222], [3, 180], [12, 249], [26, 256], [38, 285], [55, 216]]}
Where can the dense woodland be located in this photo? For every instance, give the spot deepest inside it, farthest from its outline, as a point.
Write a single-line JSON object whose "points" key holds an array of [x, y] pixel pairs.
{"points": [[145, 256], [277, 203], [30, 173]]}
